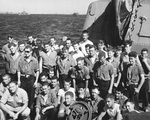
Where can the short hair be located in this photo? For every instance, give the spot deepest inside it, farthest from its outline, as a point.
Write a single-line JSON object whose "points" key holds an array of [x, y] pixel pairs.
{"points": [[110, 49], [4, 75], [87, 45], [92, 46], [80, 59], [45, 84], [9, 36], [85, 31], [52, 38], [111, 96], [144, 49], [69, 93], [28, 47], [67, 79], [95, 87], [54, 78], [130, 101], [133, 54], [128, 42], [15, 82], [64, 49], [119, 48], [12, 44], [101, 54], [101, 42], [43, 74], [21, 42], [47, 43]]}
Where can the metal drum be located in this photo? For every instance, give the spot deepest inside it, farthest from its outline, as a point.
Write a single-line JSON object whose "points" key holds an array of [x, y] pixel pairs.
{"points": [[80, 111]]}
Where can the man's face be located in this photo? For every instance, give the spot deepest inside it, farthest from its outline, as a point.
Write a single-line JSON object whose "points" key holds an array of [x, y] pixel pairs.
{"points": [[54, 83], [51, 74], [12, 88], [92, 51], [52, 41], [65, 53], [110, 102], [30, 39], [68, 99], [110, 54], [127, 48], [28, 52], [80, 64], [95, 93], [47, 47], [87, 50], [68, 43], [100, 46], [118, 94], [6, 80], [21, 47], [81, 91], [43, 78], [45, 89], [144, 54], [67, 85], [102, 59], [13, 49], [118, 52], [10, 39], [76, 47], [85, 36], [130, 107], [132, 60]]}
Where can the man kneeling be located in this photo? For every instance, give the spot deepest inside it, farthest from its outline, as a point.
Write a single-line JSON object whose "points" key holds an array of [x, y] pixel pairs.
{"points": [[14, 102]]}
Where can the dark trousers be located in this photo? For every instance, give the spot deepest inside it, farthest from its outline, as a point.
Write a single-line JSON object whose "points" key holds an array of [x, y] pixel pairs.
{"points": [[62, 79], [27, 84], [103, 87], [144, 93], [50, 114], [133, 95]]}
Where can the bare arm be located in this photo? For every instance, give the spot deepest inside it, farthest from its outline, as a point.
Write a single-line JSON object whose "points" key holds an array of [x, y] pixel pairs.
{"points": [[22, 108], [142, 81], [101, 115], [111, 84]]}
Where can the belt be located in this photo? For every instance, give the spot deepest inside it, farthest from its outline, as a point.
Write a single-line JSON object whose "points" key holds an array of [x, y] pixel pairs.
{"points": [[25, 75]]}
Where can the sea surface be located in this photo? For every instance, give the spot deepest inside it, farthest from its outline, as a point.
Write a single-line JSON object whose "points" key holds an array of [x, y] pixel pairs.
{"points": [[40, 26]]}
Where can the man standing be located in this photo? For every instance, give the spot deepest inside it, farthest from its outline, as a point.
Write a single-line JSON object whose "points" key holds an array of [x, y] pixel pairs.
{"points": [[15, 101], [104, 75], [145, 62], [12, 60], [64, 63], [80, 74], [135, 78], [48, 59], [85, 41], [28, 73]]}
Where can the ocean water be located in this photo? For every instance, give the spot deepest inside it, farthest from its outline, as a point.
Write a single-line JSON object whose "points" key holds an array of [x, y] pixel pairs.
{"points": [[41, 26]]}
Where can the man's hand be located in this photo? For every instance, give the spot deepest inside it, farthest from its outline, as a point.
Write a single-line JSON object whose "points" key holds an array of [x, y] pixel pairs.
{"points": [[137, 90], [35, 84], [37, 117], [68, 111], [16, 116], [19, 82], [43, 111], [11, 114], [115, 85], [109, 91]]}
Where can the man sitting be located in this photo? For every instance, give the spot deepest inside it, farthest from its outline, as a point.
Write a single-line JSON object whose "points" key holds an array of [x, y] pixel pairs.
{"points": [[96, 103], [15, 101], [64, 109], [111, 109], [46, 104]]}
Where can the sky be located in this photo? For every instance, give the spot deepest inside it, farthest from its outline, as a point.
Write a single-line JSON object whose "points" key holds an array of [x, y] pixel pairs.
{"points": [[45, 6]]}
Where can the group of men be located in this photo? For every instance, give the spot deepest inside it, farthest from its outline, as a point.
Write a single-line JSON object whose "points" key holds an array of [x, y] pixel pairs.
{"points": [[42, 80]]}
